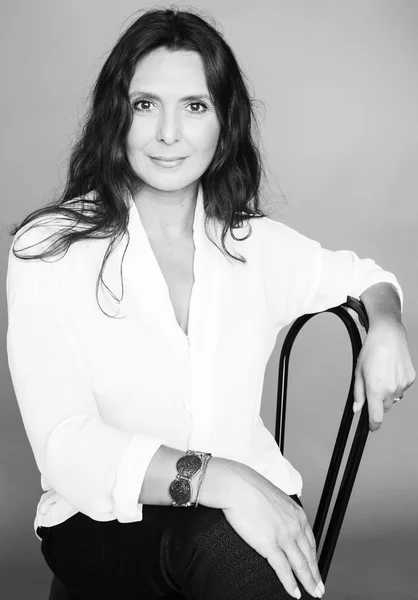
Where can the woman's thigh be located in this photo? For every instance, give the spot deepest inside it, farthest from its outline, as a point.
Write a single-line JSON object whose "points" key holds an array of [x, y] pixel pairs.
{"points": [[210, 561], [172, 553], [110, 559]]}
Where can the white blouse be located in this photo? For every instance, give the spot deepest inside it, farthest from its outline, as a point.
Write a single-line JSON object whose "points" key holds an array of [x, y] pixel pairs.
{"points": [[98, 396]]}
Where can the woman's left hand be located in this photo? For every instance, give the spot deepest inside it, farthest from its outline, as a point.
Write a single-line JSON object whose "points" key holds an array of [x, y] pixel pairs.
{"points": [[384, 370]]}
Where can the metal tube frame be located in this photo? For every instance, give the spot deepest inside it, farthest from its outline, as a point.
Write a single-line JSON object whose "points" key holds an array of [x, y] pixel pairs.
{"points": [[360, 435]]}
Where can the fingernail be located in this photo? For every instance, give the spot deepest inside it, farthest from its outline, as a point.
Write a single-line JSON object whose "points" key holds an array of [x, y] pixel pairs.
{"points": [[321, 587], [318, 591], [356, 407], [297, 593]]}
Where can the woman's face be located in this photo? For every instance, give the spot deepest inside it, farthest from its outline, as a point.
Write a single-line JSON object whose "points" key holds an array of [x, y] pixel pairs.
{"points": [[166, 124]]}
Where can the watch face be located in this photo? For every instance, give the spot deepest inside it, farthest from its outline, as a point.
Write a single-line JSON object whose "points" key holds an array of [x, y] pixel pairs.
{"points": [[180, 491], [189, 465]]}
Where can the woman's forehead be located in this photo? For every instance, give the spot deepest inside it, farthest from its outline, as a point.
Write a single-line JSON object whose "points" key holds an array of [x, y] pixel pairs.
{"points": [[162, 68]]}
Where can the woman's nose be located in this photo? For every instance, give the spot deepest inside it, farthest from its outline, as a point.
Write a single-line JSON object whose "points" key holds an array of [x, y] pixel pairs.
{"points": [[169, 125]]}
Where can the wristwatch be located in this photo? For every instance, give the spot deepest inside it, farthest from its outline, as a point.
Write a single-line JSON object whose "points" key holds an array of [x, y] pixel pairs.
{"points": [[187, 466]]}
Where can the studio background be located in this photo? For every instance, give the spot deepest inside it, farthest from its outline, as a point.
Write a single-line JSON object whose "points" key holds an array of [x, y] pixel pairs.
{"points": [[340, 138]]}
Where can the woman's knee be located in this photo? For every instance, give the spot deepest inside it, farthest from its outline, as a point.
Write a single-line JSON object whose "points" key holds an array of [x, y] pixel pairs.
{"points": [[213, 561]]}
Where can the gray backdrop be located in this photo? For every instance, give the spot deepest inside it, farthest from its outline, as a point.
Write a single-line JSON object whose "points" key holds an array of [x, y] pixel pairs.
{"points": [[340, 131]]}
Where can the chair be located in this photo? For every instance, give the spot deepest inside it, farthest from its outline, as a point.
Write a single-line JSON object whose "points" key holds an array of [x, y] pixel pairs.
{"points": [[59, 591], [359, 440]]}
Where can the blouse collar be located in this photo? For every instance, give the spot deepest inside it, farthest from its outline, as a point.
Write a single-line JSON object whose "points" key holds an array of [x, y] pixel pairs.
{"points": [[146, 286]]}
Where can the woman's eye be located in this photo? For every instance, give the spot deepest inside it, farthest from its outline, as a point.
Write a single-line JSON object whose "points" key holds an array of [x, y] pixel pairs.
{"points": [[135, 105], [148, 102], [199, 104]]}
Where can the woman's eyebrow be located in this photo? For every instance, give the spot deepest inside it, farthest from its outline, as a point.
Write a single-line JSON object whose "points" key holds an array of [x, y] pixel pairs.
{"points": [[155, 97]]}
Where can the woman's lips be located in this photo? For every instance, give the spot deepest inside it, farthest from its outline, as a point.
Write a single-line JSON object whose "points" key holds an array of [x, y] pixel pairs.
{"points": [[167, 163]]}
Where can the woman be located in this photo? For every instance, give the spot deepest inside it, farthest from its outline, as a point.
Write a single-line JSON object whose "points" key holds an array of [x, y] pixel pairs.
{"points": [[135, 414]]}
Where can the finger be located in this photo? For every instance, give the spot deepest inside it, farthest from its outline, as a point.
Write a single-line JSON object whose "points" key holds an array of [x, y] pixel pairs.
{"points": [[388, 402], [392, 400], [310, 555], [375, 410], [311, 537], [308, 530], [278, 561], [408, 385], [358, 392], [302, 566]]}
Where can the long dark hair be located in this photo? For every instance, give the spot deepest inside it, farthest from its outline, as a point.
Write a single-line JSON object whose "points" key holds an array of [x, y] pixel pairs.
{"points": [[99, 175]]}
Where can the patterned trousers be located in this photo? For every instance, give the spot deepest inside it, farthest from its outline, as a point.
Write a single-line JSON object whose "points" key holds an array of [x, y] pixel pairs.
{"points": [[173, 553]]}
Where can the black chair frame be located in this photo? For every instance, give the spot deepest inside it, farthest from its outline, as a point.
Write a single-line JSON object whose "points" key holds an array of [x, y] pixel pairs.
{"points": [[359, 440]]}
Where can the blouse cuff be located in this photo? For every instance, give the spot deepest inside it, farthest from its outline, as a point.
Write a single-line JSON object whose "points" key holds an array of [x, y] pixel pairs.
{"points": [[385, 277], [130, 476]]}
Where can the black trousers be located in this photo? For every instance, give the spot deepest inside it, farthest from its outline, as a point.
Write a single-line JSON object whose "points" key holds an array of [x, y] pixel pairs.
{"points": [[173, 553]]}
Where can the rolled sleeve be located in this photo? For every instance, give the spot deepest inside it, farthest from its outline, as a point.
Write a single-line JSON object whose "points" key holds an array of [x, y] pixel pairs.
{"points": [[342, 273], [95, 467], [130, 475], [308, 278]]}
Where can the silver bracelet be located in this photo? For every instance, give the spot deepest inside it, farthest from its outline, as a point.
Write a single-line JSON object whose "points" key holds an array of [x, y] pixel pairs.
{"points": [[188, 466], [206, 459]]}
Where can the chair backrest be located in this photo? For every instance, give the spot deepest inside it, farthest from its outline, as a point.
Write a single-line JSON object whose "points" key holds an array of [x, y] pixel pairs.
{"points": [[359, 440]]}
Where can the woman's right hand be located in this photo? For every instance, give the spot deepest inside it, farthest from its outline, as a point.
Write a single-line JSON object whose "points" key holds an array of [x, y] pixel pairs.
{"points": [[276, 527]]}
